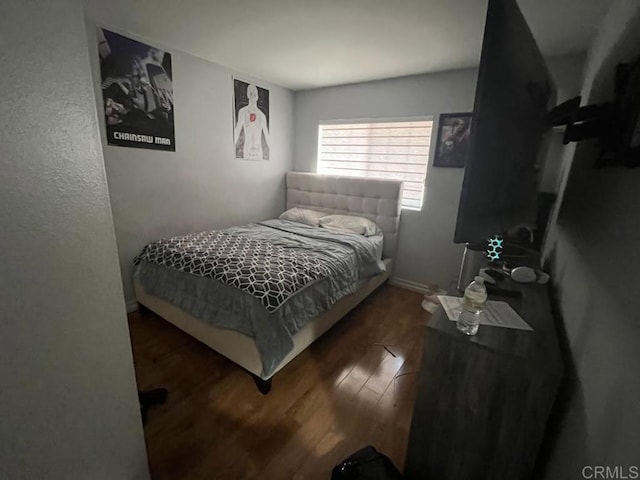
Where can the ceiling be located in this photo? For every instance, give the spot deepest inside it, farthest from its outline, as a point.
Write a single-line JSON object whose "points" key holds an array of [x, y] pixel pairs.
{"points": [[302, 44]]}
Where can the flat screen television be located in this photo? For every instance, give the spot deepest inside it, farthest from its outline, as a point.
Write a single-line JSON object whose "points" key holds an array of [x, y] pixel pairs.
{"points": [[514, 93]]}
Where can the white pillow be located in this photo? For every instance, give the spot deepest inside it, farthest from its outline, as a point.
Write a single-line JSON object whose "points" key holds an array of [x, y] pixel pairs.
{"points": [[351, 224], [303, 215]]}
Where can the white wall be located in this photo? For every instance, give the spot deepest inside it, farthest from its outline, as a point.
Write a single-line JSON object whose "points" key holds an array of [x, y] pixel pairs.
{"points": [[68, 402], [593, 249], [426, 253], [200, 186]]}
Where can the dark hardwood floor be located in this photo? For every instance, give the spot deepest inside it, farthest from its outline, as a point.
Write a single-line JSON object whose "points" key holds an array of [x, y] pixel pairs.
{"points": [[337, 396]]}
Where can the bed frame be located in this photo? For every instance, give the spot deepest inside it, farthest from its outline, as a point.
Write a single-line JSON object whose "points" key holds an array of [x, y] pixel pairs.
{"points": [[376, 199]]}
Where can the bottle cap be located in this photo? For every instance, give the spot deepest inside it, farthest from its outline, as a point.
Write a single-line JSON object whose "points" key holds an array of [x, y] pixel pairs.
{"points": [[479, 279]]}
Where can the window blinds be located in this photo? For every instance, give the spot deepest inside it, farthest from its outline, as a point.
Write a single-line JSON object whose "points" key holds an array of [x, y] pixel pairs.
{"points": [[396, 150]]}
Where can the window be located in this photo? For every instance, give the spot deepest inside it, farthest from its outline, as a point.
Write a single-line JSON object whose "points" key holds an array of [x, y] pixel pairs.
{"points": [[396, 150]]}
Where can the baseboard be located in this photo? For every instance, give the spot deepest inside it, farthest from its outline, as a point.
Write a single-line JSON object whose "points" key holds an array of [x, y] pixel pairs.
{"points": [[409, 285], [132, 306]]}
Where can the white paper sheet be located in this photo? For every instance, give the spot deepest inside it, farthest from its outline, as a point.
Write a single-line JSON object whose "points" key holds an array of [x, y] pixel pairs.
{"points": [[495, 314]]}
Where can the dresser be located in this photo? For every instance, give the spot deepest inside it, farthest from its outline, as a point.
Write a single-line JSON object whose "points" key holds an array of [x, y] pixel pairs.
{"points": [[483, 402]]}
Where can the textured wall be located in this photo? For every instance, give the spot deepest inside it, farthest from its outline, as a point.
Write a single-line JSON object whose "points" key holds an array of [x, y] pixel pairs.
{"points": [[426, 253], [593, 249], [200, 186], [67, 398]]}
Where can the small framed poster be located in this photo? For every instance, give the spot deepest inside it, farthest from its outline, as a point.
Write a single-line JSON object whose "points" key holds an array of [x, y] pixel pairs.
{"points": [[452, 142]]}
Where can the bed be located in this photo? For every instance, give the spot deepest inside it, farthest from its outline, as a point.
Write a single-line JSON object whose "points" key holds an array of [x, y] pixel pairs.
{"points": [[187, 300]]}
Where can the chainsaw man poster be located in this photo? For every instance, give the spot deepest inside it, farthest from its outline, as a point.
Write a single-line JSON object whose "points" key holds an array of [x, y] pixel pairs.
{"points": [[137, 89]]}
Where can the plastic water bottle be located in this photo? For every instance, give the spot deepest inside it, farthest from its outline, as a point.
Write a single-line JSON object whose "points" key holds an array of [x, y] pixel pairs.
{"points": [[475, 296]]}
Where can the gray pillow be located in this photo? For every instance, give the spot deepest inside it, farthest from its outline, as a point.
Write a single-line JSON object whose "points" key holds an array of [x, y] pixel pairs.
{"points": [[351, 224], [303, 215]]}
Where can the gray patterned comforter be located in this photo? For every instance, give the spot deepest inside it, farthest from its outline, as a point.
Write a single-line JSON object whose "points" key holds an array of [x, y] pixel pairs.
{"points": [[270, 278]]}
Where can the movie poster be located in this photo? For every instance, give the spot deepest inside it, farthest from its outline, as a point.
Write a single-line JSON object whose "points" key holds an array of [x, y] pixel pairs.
{"points": [[250, 121], [137, 91], [454, 130]]}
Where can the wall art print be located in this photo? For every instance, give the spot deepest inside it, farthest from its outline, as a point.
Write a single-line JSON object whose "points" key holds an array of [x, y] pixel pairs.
{"points": [[137, 92]]}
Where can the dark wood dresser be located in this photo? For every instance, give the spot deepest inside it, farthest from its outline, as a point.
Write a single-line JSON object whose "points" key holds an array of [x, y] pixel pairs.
{"points": [[483, 402]]}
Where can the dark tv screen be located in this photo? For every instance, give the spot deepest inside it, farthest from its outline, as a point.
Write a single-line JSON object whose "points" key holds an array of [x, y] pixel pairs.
{"points": [[513, 95]]}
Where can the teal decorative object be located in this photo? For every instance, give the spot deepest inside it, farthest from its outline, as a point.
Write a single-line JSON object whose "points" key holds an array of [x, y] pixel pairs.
{"points": [[494, 248]]}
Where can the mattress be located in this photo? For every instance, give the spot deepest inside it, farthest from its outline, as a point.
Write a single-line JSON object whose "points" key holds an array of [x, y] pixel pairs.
{"points": [[346, 262]]}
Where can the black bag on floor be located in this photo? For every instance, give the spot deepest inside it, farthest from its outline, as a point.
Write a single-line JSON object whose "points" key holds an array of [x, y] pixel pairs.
{"points": [[366, 464]]}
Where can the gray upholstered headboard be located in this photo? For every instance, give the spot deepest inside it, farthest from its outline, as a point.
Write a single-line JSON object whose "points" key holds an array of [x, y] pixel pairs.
{"points": [[373, 198]]}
